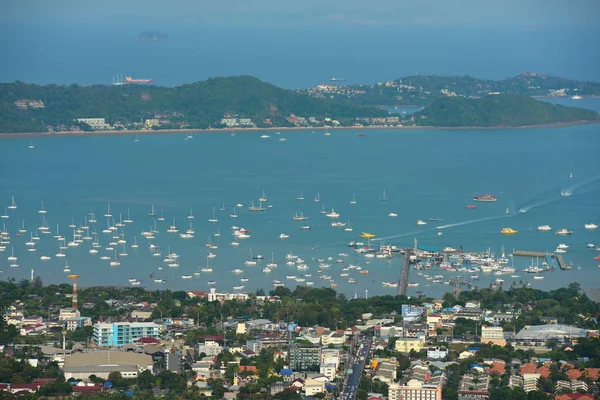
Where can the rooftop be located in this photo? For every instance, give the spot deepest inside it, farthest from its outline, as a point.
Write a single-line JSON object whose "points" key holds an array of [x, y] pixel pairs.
{"points": [[550, 331]]}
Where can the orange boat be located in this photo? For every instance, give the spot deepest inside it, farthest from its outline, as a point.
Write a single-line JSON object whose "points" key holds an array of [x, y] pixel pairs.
{"points": [[471, 206]]}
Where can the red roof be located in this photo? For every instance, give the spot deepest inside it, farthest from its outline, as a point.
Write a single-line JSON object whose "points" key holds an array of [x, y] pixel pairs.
{"points": [[43, 381], [577, 396], [148, 340], [248, 368]]}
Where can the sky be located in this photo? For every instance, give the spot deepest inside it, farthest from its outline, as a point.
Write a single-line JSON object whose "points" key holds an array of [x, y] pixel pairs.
{"points": [[296, 43], [530, 14]]}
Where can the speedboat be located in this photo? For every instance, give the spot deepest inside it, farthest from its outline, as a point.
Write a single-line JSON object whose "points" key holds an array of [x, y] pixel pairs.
{"points": [[562, 246], [419, 222], [186, 276], [544, 228], [283, 236], [590, 226], [590, 246], [508, 231], [563, 232], [559, 250], [392, 214]]}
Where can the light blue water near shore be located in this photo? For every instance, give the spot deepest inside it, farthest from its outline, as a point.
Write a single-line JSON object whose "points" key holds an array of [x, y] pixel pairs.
{"points": [[425, 173]]}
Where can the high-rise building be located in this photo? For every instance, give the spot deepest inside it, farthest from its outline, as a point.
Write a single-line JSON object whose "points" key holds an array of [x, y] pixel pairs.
{"points": [[305, 358], [121, 333]]}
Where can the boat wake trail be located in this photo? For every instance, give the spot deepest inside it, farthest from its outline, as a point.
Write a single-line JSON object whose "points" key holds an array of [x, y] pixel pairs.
{"points": [[535, 205], [573, 188], [401, 235], [473, 221]]}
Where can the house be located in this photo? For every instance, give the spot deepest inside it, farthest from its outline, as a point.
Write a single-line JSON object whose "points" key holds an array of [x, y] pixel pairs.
{"points": [[313, 387], [329, 370], [405, 345], [287, 374], [437, 353]]}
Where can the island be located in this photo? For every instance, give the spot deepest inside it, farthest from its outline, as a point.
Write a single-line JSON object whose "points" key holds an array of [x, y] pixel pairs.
{"points": [[245, 102], [502, 110]]}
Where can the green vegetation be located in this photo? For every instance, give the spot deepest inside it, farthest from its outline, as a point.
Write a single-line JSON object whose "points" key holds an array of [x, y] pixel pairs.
{"points": [[196, 105], [499, 110], [421, 90]]}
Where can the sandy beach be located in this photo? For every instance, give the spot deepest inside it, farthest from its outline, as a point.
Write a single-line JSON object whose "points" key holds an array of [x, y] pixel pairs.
{"points": [[282, 129]]}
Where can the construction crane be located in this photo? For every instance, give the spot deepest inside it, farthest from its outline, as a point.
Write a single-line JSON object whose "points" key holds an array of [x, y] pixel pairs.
{"points": [[74, 299]]}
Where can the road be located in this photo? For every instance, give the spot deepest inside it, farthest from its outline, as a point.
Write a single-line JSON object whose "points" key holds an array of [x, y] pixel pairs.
{"points": [[358, 364]]}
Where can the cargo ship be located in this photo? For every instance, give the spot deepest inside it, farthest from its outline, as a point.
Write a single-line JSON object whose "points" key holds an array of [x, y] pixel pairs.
{"points": [[129, 79], [487, 197]]}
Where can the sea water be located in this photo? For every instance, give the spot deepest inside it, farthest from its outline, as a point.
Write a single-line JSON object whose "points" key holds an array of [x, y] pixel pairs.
{"points": [[425, 173]]}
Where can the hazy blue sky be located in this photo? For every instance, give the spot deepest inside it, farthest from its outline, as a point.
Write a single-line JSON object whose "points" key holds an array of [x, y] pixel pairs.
{"points": [[532, 14]]}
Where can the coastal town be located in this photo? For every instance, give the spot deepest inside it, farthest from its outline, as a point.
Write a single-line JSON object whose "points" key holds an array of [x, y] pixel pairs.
{"points": [[106, 341]]}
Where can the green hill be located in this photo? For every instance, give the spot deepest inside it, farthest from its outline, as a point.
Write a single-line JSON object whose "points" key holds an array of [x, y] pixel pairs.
{"points": [[499, 110], [197, 105]]}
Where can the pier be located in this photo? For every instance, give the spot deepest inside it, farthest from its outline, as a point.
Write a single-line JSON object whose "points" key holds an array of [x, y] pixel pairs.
{"points": [[548, 256]]}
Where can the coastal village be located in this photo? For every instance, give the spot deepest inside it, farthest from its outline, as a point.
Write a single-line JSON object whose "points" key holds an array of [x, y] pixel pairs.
{"points": [[420, 351]]}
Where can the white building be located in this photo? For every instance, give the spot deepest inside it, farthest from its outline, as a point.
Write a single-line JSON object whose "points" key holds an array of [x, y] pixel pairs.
{"points": [[312, 387], [94, 123], [210, 348], [492, 334], [214, 296], [329, 370], [68, 313], [414, 390], [437, 353]]}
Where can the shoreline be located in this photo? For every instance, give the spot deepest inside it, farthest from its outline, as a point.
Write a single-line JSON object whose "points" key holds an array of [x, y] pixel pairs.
{"points": [[282, 129]]}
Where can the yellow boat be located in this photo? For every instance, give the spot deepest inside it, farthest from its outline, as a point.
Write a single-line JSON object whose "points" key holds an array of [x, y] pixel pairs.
{"points": [[508, 231], [367, 235]]}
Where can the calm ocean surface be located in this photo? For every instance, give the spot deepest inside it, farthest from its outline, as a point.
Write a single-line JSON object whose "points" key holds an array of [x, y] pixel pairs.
{"points": [[425, 173]]}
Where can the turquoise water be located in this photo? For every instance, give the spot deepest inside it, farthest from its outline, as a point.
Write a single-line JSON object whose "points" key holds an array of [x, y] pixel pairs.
{"points": [[425, 173]]}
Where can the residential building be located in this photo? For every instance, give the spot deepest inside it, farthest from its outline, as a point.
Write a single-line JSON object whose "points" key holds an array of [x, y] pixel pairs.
{"points": [[474, 387], [121, 333], [406, 344], [386, 371], [530, 382], [411, 313], [571, 386], [172, 362], [79, 322], [68, 313], [414, 390], [335, 338], [329, 370], [437, 353], [94, 123], [492, 334], [222, 297], [305, 358], [312, 387], [210, 347]]}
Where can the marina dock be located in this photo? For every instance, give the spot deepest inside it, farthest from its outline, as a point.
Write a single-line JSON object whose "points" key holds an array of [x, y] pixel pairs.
{"points": [[547, 255]]}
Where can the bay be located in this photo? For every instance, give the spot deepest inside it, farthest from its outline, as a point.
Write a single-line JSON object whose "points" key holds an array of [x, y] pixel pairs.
{"points": [[425, 173]]}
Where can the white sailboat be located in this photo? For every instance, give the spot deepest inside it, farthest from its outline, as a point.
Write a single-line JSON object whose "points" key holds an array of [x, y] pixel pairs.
{"points": [[135, 243], [272, 264], [128, 220], [152, 213], [353, 201], [191, 216], [214, 217], [207, 268], [383, 196], [263, 197], [13, 204], [234, 215], [23, 230], [137, 139], [317, 198], [162, 216], [42, 210], [300, 196], [251, 261], [31, 146], [115, 262]]}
